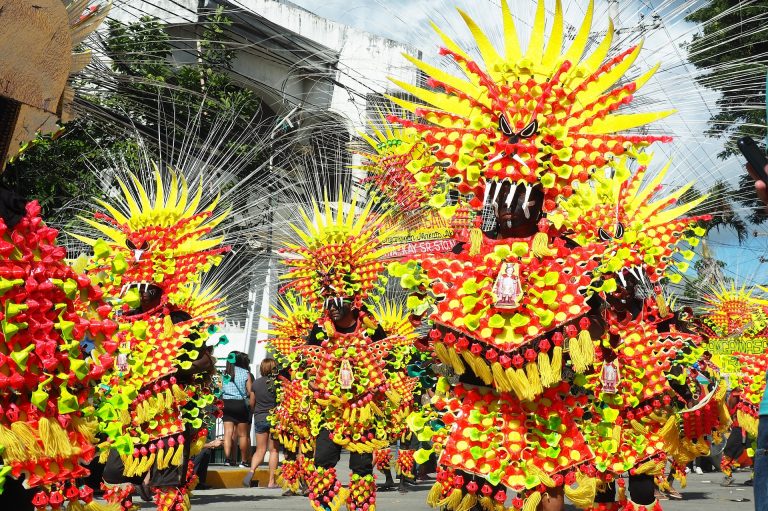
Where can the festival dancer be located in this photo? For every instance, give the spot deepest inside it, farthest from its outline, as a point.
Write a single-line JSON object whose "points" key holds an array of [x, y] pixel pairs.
{"points": [[153, 259], [518, 136], [351, 363]]}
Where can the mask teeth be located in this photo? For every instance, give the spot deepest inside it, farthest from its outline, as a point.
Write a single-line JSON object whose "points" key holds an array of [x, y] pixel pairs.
{"points": [[622, 279], [122, 289], [528, 189], [488, 188], [326, 303], [496, 192], [511, 194], [495, 159], [519, 160]]}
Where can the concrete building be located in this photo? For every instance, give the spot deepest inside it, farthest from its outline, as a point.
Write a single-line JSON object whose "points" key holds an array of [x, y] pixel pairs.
{"points": [[314, 74]]}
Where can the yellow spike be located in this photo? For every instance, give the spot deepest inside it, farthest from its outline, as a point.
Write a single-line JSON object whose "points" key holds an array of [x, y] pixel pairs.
{"points": [[133, 206], [306, 238], [113, 234], [556, 38], [616, 123], [88, 241], [597, 57], [340, 209], [487, 51], [159, 192], [145, 204], [643, 194], [371, 142], [113, 211], [511, 42], [640, 81], [671, 214], [580, 42], [410, 106], [173, 194], [535, 46], [597, 88], [386, 125], [439, 99], [442, 76], [449, 43]]}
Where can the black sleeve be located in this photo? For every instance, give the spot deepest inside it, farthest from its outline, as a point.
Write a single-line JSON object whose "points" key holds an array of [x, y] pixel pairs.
{"points": [[312, 339], [379, 334]]}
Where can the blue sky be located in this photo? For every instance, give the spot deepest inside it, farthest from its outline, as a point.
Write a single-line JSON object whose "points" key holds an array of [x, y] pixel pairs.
{"points": [[693, 155]]}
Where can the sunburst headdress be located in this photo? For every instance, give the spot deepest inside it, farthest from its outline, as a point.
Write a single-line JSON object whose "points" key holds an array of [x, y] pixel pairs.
{"points": [[642, 230], [340, 256], [401, 170], [166, 242], [540, 117]]}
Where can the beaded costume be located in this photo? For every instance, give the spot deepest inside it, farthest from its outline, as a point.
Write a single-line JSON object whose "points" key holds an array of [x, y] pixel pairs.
{"points": [[520, 316], [150, 407], [357, 375]]}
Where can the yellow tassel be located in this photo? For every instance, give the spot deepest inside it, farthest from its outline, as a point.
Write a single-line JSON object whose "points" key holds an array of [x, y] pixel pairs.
{"points": [[662, 305], [651, 467], [55, 439], [453, 500], [475, 241], [458, 366], [442, 353], [582, 352], [179, 394], [642, 430], [178, 457], [478, 367], [150, 461], [583, 495], [168, 457], [587, 347], [75, 505], [532, 502], [161, 459], [467, 503], [622, 494], [433, 498], [534, 383], [556, 364], [104, 455], [519, 383], [197, 446], [540, 246], [486, 503], [683, 480], [537, 472], [95, 505], [14, 448], [24, 442], [498, 376], [87, 428], [545, 371]]}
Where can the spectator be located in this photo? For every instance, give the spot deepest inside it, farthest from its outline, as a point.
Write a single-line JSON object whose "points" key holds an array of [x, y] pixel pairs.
{"points": [[202, 460], [238, 400], [266, 401]]}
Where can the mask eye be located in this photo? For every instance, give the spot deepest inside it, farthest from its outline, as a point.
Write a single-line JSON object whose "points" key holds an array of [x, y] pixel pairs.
{"points": [[619, 231], [603, 235], [504, 126], [129, 244], [531, 129], [145, 246]]}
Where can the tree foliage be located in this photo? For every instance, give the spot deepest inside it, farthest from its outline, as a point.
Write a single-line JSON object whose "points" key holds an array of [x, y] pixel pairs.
{"points": [[732, 52], [62, 172]]}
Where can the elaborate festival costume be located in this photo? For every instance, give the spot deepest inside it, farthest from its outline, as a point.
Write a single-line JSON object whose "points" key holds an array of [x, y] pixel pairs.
{"points": [[150, 408], [518, 312], [356, 371], [734, 322]]}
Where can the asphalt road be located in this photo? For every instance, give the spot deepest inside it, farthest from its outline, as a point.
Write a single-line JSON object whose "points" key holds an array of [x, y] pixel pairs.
{"points": [[703, 493]]}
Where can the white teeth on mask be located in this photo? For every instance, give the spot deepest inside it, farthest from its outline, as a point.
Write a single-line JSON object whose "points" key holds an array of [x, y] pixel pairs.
{"points": [[496, 193], [511, 194], [622, 279], [122, 289], [509, 224], [495, 159], [488, 187], [519, 160], [528, 189]]}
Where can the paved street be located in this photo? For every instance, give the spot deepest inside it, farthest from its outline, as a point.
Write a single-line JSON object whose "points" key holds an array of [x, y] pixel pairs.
{"points": [[703, 493]]}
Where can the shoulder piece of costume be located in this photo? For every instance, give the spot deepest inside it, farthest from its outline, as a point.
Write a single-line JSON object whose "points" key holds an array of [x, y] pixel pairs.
{"points": [[56, 345]]}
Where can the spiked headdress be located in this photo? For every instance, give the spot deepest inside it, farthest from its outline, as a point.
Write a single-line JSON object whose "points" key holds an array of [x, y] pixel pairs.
{"points": [[536, 117], [340, 256], [165, 242]]}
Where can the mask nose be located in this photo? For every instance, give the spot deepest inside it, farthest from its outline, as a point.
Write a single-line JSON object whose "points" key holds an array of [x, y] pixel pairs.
{"points": [[137, 253]]}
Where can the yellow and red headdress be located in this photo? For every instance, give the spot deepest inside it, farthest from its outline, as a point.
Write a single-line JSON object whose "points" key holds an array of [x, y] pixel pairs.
{"points": [[340, 256], [536, 117], [166, 242]]}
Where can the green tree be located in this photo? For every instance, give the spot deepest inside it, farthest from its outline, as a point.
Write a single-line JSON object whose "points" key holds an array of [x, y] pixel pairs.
{"points": [[718, 205], [60, 172], [732, 52]]}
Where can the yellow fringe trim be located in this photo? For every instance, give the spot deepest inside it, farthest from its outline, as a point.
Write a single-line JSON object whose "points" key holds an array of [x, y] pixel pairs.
{"points": [[540, 246], [534, 382], [475, 241], [532, 502], [453, 500], [583, 495], [467, 503], [25, 435], [433, 498], [500, 378]]}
